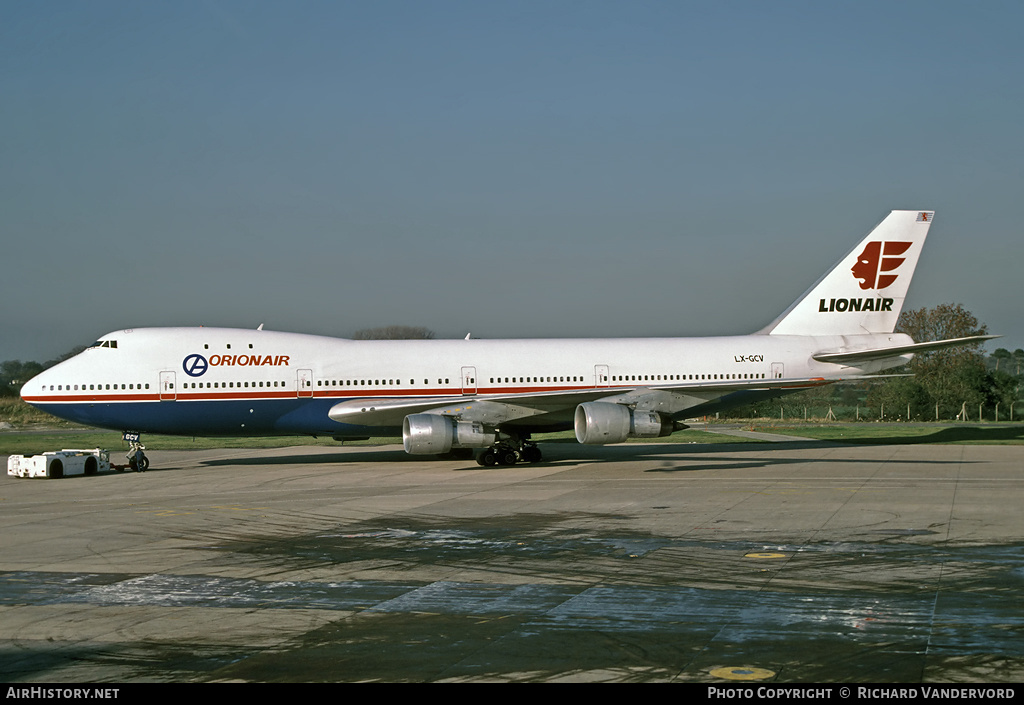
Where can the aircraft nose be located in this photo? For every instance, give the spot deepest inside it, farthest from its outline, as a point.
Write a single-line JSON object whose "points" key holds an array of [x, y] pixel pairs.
{"points": [[27, 387], [31, 389]]}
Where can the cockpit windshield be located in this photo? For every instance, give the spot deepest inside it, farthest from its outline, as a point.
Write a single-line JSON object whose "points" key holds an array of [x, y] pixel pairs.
{"points": [[103, 344]]}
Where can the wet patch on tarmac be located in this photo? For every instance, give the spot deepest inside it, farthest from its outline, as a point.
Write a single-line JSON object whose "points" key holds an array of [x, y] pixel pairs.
{"points": [[116, 663], [591, 549], [35, 588], [419, 541], [561, 599], [460, 631], [194, 591]]}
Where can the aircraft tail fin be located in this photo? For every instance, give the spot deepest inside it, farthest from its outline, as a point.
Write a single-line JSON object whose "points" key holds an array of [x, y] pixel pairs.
{"points": [[865, 290]]}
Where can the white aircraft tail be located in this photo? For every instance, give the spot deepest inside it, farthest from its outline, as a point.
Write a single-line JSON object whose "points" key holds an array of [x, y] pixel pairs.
{"points": [[864, 291]]}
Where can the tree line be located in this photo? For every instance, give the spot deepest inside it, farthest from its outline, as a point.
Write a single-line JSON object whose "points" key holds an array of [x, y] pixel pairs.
{"points": [[14, 373]]}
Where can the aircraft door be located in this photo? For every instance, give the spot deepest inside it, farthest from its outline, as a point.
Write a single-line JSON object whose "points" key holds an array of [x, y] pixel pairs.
{"points": [[601, 376], [304, 383], [167, 391], [468, 381], [778, 370]]}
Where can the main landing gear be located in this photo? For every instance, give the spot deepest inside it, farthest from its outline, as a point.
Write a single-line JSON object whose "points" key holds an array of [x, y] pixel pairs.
{"points": [[509, 452]]}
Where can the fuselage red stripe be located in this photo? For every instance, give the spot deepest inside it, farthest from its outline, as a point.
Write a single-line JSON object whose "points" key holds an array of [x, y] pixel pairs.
{"points": [[292, 394]]}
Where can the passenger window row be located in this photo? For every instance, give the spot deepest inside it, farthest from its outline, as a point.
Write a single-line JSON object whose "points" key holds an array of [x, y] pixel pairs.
{"points": [[93, 387], [132, 386], [394, 382], [227, 385], [519, 380], [366, 382]]}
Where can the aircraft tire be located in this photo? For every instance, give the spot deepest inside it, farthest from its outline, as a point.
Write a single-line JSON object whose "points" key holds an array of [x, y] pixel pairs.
{"points": [[531, 454], [488, 458]]}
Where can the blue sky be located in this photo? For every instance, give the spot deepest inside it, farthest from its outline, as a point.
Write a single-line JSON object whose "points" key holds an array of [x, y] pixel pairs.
{"points": [[516, 169]]}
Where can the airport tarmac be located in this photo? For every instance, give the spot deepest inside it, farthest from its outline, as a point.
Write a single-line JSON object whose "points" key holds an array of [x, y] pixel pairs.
{"points": [[777, 562]]}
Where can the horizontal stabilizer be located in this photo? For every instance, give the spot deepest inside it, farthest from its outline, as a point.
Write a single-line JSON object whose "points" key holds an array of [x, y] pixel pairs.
{"points": [[843, 357]]}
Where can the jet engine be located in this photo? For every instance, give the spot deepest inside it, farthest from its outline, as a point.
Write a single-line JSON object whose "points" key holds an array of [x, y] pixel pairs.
{"points": [[431, 434], [598, 423]]}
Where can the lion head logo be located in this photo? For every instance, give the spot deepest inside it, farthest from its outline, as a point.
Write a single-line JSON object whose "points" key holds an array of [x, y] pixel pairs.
{"points": [[876, 259]]}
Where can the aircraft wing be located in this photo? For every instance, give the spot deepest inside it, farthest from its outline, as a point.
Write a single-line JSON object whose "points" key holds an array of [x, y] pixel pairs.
{"points": [[845, 356], [485, 408], [498, 408]]}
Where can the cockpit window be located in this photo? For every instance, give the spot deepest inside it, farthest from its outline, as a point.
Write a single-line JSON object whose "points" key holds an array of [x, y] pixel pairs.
{"points": [[104, 344]]}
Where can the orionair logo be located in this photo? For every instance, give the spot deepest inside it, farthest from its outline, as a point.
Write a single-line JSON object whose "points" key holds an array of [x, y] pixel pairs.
{"points": [[876, 259], [195, 365]]}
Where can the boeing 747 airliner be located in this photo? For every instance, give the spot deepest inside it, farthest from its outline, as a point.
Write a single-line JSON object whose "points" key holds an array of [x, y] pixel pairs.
{"points": [[453, 396]]}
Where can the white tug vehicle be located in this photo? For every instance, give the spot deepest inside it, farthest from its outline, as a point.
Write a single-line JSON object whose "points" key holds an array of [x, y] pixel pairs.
{"points": [[59, 463], [75, 461]]}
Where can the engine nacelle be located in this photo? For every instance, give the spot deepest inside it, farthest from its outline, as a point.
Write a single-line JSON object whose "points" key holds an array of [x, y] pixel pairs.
{"points": [[431, 434], [600, 423], [651, 424]]}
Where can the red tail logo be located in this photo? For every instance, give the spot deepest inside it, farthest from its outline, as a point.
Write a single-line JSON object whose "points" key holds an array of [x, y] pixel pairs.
{"points": [[876, 259]]}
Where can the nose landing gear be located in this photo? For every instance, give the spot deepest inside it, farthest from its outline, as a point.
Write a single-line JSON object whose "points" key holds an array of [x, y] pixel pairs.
{"points": [[137, 460]]}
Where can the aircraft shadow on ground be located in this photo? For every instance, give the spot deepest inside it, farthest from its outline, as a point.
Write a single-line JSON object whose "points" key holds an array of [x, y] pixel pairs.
{"points": [[946, 434], [370, 455], [554, 453], [717, 456]]}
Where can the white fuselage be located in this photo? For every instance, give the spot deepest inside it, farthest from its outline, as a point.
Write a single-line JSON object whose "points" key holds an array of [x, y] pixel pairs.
{"points": [[232, 381]]}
